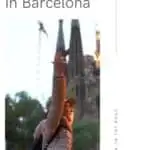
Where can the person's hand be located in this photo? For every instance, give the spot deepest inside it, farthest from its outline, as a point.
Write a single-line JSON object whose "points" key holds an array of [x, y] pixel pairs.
{"points": [[64, 120], [60, 65]]}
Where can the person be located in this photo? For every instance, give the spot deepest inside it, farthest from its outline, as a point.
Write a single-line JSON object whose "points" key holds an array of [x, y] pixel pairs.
{"points": [[63, 137], [55, 131]]}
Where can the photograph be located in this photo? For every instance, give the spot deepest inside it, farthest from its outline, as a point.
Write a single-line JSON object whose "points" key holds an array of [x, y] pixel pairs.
{"points": [[52, 100]]}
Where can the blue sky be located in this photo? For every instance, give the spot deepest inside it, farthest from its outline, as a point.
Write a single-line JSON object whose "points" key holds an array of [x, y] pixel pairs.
{"points": [[21, 53]]}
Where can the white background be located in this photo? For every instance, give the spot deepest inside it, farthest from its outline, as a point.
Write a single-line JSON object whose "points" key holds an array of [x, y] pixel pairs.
{"points": [[125, 77]]}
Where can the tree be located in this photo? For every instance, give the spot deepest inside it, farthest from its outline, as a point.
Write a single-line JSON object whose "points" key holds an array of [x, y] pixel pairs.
{"points": [[22, 115], [11, 121]]}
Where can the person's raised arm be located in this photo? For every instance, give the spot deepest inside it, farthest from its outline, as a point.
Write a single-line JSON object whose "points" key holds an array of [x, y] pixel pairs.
{"points": [[58, 97]]}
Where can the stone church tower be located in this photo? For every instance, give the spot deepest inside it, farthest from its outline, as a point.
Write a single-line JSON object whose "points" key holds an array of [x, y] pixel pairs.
{"points": [[76, 65]]}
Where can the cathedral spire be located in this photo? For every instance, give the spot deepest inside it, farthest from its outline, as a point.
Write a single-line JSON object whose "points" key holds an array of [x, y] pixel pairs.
{"points": [[60, 48], [75, 23], [76, 64], [75, 50], [60, 39]]}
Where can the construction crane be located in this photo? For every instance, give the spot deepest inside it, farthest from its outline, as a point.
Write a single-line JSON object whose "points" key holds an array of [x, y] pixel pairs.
{"points": [[38, 66], [41, 28]]}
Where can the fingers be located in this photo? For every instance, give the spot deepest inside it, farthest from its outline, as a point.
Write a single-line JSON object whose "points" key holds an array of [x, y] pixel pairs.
{"points": [[59, 57]]}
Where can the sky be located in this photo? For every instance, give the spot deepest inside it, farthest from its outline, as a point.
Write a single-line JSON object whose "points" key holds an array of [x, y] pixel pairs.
{"points": [[21, 52]]}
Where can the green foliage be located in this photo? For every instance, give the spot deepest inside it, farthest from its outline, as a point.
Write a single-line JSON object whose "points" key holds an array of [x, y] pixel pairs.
{"points": [[23, 113], [11, 119], [86, 135]]}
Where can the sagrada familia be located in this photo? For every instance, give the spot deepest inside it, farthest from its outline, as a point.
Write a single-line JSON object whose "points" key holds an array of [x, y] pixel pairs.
{"points": [[76, 62]]}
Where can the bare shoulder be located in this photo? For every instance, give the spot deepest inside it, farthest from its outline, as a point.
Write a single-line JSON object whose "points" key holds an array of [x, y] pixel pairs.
{"points": [[39, 128]]}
